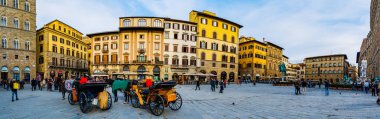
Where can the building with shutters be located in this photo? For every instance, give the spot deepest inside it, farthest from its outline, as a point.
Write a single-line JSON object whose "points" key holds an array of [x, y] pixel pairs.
{"points": [[330, 67]]}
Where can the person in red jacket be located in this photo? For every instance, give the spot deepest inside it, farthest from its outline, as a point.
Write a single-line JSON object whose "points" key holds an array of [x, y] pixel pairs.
{"points": [[83, 80], [148, 83]]}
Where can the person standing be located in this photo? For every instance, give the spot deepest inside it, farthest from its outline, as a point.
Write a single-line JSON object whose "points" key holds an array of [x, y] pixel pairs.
{"points": [[304, 85], [254, 82], [62, 87], [212, 83], [14, 85], [319, 84], [366, 86], [298, 87], [69, 84], [33, 83], [225, 83], [327, 86], [197, 85], [221, 87], [373, 88]]}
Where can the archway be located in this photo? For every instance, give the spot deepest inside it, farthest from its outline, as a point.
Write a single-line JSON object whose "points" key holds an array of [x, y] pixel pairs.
{"points": [[156, 73], [27, 74], [175, 77], [140, 71], [16, 73], [223, 75], [232, 77], [4, 73]]}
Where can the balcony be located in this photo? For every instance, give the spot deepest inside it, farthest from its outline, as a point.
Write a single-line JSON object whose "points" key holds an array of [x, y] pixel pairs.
{"points": [[105, 51], [56, 65], [182, 66]]}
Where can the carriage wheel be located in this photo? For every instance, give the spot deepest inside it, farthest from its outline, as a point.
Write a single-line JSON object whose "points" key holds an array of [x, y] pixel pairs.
{"points": [[156, 105], [135, 101], [70, 99], [177, 104], [83, 103], [378, 101], [109, 101]]}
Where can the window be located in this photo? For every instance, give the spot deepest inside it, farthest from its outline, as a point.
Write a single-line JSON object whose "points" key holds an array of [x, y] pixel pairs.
{"points": [[214, 35], [225, 26], [41, 48], [15, 23], [141, 46], [213, 57], [54, 48], [126, 23], [4, 56], [167, 35], [114, 37], [97, 47], [193, 38], [203, 33], [62, 50], [193, 50], [156, 46], [3, 21], [157, 23], [166, 47], [175, 35], [54, 38], [185, 49], [27, 45], [233, 29], [215, 23], [142, 22], [126, 46], [157, 37], [27, 26], [141, 37], [15, 44], [185, 37], [15, 3], [16, 56], [3, 2], [105, 47], [176, 26], [203, 56], [204, 44], [61, 40], [224, 37], [114, 46], [167, 25], [126, 37], [175, 48], [203, 21], [105, 38], [214, 46], [68, 51], [3, 42], [233, 39], [194, 28]]}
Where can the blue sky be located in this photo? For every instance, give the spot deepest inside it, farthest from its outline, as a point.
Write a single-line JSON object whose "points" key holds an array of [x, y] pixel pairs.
{"points": [[303, 27]]}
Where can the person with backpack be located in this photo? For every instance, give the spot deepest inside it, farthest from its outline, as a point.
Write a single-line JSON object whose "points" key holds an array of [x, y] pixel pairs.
{"points": [[14, 85]]}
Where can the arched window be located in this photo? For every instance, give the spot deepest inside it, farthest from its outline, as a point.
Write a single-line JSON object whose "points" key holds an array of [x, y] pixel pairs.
{"points": [[224, 37], [4, 42], [126, 23], [214, 35], [203, 56], [26, 7], [15, 3], [142, 22], [330, 72], [233, 39], [15, 23], [339, 71], [3, 21], [325, 72], [213, 57], [3, 2], [27, 25], [330, 64], [334, 71], [157, 23], [203, 33], [334, 64], [27, 45], [15, 44], [204, 44], [325, 64]]}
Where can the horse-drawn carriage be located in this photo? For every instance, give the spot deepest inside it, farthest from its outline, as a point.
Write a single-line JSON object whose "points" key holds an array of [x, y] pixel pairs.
{"points": [[157, 97], [89, 95]]}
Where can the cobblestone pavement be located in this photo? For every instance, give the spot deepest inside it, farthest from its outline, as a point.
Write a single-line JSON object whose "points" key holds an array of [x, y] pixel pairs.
{"points": [[262, 101]]}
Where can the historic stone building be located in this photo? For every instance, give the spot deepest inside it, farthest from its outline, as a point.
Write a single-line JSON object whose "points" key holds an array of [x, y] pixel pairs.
{"points": [[369, 55], [18, 39], [274, 59], [135, 50], [61, 52], [330, 67], [180, 48], [217, 45]]}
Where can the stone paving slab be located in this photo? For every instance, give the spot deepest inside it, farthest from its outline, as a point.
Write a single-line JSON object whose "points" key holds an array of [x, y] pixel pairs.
{"points": [[260, 102]]}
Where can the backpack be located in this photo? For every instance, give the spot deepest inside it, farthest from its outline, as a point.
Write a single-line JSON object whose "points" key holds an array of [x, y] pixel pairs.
{"points": [[16, 86]]}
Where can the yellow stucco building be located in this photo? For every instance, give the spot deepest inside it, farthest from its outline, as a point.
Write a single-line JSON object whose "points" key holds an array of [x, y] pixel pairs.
{"points": [[217, 44], [61, 52], [252, 58]]}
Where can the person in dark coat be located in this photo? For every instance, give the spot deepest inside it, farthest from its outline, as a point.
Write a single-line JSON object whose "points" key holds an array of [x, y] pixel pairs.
{"points": [[62, 88], [34, 84], [221, 86], [304, 85], [327, 86], [212, 83], [198, 85]]}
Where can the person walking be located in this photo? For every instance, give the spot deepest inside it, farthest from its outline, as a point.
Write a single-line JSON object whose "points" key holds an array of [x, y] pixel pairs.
{"points": [[327, 86], [298, 87], [33, 83], [373, 88], [304, 85], [69, 84], [212, 84], [198, 83], [225, 83], [254, 82], [14, 87], [366, 86], [221, 87]]}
